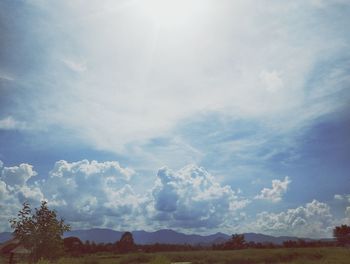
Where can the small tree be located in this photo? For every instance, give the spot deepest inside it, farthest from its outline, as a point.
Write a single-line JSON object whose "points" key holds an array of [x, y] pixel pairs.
{"points": [[342, 234], [126, 243], [41, 232], [236, 242]]}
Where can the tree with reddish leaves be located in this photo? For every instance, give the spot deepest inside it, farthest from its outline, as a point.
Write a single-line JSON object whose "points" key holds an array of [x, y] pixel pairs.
{"points": [[126, 243], [342, 235], [237, 241]]}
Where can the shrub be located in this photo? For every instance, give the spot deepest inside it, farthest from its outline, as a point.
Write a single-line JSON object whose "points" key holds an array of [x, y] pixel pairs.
{"points": [[43, 261], [160, 260]]}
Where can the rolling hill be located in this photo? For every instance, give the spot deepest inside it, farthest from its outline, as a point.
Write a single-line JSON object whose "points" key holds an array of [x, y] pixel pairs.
{"points": [[166, 236]]}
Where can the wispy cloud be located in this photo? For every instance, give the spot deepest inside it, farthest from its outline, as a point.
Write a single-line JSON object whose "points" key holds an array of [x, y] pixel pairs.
{"points": [[6, 77], [9, 123], [138, 90], [75, 66]]}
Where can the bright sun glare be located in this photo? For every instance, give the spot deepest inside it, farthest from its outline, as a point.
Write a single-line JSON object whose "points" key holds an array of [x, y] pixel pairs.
{"points": [[174, 13]]}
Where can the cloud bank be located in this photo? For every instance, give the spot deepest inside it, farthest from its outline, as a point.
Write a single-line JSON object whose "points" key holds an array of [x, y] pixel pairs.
{"points": [[311, 220], [99, 194]]}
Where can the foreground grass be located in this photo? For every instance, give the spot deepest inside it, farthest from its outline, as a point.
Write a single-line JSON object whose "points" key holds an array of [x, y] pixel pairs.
{"points": [[247, 256]]}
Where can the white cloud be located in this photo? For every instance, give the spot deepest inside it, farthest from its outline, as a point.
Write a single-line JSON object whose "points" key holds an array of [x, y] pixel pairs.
{"points": [[31, 194], [275, 193], [338, 197], [90, 193], [15, 189], [145, 79], [346, 220], [14, 185], [192, 198], [271, 81], [342, 197], [9, 123], [75, 66], [6, 77], [3, 190], [99, 194], [344, 200], [17, 175], [312, 220], [347, 211]]}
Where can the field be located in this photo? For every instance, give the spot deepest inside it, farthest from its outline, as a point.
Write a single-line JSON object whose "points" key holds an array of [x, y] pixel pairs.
{"points": [[247, 256]]}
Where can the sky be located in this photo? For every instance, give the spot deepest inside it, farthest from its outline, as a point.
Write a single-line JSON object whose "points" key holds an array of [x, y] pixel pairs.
{"points": [[195, 115]]}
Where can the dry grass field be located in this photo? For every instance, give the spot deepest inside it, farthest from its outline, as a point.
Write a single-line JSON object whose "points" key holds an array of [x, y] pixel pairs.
{"points": [[247, 256]]}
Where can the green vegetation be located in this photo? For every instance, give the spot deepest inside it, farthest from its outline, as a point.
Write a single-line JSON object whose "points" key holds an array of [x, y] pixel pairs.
{"points": [[41, 235], [40, 232], [334, 255]]}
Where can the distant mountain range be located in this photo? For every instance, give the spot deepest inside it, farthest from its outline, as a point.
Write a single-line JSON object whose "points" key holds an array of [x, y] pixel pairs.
{"points": [[165, 236], [5, 236]]}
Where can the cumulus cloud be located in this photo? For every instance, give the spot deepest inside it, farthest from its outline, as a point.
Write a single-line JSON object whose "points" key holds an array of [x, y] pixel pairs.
{"points": [[14, 185], [15, 189], [347, 211], [312, 220], [3, 190], [344, 199], [275, 193], [83, 192], [99, 194], [89, 192], [192, 198], [17, 175]]}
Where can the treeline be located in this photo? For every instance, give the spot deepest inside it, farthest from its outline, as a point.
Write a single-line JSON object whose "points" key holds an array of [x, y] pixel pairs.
{"points": [[301, 243], [75, 247], [286, 244], [237, 241]]}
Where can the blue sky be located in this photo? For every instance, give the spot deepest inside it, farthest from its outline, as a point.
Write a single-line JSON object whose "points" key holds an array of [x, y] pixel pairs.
{"points": [[200, 116]]}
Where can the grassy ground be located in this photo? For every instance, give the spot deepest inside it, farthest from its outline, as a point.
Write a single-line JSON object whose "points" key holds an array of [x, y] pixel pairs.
{"points": [[247, 256]]}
